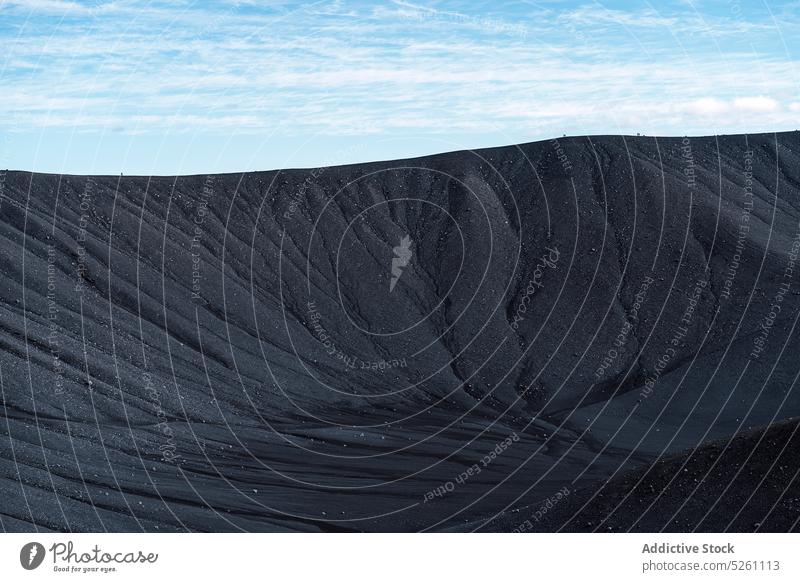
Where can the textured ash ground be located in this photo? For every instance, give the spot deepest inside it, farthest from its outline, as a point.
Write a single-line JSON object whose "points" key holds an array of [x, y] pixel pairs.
{"points": [[197, 395]]}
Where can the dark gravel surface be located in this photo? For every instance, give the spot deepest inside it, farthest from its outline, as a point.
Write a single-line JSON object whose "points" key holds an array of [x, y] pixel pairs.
{"points": [[225, 353], [748, 483]]}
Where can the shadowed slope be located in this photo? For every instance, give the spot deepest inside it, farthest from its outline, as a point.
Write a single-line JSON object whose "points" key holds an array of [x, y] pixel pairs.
{"points": [[743, 484], [228, 352]]}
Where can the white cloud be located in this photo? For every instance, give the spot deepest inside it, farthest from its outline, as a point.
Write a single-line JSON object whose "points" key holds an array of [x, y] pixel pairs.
{"points": [[335, 73], [594, 14], [51, 6], [643, 21], [758, 104], [713, 107], [708, 106]]}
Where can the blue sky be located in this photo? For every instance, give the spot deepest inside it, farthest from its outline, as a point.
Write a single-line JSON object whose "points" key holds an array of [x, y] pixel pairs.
{"points": [[116, 86]]}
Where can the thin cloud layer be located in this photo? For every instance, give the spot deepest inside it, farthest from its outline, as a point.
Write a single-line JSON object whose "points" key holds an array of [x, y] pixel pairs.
{"points": [[517, 71]]}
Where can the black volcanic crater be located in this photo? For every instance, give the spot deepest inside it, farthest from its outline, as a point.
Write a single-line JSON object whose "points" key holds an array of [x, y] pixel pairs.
{"points": [[431, 344]]}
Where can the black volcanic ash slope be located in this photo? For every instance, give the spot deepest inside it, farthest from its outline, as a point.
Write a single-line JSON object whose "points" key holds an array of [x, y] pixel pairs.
{"points": [[744, 484], [230, 352]]}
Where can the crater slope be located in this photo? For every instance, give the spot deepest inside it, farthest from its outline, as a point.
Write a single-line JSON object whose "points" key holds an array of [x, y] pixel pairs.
{"points": [[421, 344]]}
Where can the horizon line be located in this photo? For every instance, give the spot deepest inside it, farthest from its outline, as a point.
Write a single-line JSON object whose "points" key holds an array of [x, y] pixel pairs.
{"points": [[409, 158]]}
